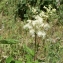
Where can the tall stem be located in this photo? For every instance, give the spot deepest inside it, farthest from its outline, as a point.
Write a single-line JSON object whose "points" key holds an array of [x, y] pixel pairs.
{"points": [[35, 41], [35, 46]]}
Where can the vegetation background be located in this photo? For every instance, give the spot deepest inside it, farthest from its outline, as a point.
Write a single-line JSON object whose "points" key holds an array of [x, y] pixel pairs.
{"points": [[16, 44]]}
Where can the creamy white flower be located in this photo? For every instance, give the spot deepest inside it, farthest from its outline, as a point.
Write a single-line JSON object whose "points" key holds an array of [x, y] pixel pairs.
{"points": [[5, 56], [29, 21], [53, 10], [48, 10], [30, 27], [42, 14], [27, 26], [37, 27], [41, 34], [38, 22], [32, 31], [45, 7], [34, 10], [42, 24], [33, 35], [46, 26], [50, 6], [34, 22], [38, 18]]}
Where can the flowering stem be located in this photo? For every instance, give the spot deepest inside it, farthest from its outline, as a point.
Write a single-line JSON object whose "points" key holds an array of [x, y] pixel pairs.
{"points": [[44, 50], [35, 46], [35, 41]]}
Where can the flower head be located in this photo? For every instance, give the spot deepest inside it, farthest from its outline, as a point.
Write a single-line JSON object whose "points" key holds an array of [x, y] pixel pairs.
{"points": [[41, 34], [32, 31], [38, 18], [34, 9], [38, 26], [53, 10], [46, 26], [27, 26], [29, 21], [42, 14], [34, 22]]}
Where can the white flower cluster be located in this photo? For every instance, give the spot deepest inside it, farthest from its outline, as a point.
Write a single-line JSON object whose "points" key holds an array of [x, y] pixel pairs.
{"points": [[42, 14], [34, 10], [37, 26], [50, 10]]}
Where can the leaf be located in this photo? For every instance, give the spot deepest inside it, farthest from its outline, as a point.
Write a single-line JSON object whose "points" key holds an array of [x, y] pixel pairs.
{"points": [[28, 62], [28, 50], [12, 62], [36, 61], [8, 41], [23, 1], [18, 61], [9, 59], [1, 37], [28, 57], [25, 15]]}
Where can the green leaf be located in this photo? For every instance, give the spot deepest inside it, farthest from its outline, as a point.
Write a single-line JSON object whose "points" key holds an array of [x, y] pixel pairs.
{"points": [[28, 62], [9, 59], [28, 50], [1, 37], [36, 61], [25, 15], [18, 61], [8, 41], [28, 57], [23, 1]]}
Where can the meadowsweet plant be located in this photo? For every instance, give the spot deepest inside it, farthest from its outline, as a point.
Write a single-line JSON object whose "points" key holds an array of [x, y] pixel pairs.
{"points": [[39, 26]]}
